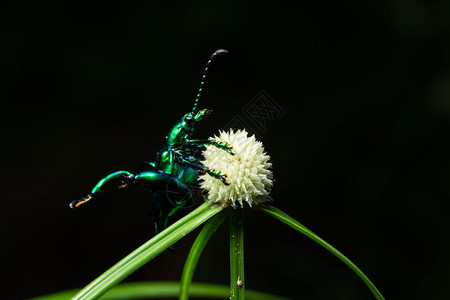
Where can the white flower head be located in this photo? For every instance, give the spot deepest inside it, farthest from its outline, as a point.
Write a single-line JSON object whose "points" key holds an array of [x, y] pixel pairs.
{"points": [[248, 171]]}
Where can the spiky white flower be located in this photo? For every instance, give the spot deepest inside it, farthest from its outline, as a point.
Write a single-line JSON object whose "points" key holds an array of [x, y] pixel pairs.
{"points": [[248, 171]]}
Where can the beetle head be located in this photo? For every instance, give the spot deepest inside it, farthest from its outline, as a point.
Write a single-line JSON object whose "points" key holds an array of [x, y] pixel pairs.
{"points": [[192, 118], [202, 114]]}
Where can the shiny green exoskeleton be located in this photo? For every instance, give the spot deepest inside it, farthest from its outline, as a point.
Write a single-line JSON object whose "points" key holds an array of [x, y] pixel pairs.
{"points": [[172, 178]]}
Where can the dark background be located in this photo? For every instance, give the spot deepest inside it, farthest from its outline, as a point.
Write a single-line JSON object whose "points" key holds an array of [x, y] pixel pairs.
{"points": [[360, 155]]}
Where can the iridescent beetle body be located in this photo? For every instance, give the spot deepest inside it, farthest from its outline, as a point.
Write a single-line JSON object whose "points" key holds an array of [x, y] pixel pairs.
{"points": [[172, 178]]}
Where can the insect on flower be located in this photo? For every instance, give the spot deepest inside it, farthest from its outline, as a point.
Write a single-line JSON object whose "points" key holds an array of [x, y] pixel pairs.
{"points": [[250, 171], [172, 177]]}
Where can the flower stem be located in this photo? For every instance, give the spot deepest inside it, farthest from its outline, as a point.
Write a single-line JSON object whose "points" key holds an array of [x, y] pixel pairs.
{"points": [[196, 250], [146, 252], [237, 280], [283, 217]]}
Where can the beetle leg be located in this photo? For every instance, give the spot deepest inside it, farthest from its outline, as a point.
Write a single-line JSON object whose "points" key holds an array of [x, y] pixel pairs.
{"points": [[81, 201], [193, 162], [123, 185], [219, 175], [222, 145], [215, 142], [159, 181], [124, 175]]}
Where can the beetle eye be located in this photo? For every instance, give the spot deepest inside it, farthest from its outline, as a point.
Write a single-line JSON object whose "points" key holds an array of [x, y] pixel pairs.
{"points": [[188, 119]]}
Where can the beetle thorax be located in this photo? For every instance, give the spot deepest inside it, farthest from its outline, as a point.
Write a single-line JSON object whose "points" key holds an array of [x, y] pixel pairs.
{"points": [[178, 134]]}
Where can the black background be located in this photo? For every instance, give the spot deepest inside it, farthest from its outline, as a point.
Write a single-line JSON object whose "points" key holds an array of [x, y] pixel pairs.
{"points": [[360, 155]]}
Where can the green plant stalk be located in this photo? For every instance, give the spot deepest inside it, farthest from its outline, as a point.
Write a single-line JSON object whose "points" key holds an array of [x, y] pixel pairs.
{"points": [[283, 217], [146, 252], [237, 280], [162, 235], [196, 250], [164, 289]]}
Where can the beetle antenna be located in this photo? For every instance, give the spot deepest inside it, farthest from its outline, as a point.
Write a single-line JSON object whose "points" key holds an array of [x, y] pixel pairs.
{"points": [[211, 58]]}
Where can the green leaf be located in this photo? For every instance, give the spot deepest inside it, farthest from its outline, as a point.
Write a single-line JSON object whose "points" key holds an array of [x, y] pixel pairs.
{"points": [[237, 280], [196, 250], [283, 217], [145, 290], [146, 252]]}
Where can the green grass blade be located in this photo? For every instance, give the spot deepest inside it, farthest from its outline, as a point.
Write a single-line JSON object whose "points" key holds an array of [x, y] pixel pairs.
{"points": [[146, 252], [237, 281], [283, 217], [196, 250], [146, 290], [162, 235]]}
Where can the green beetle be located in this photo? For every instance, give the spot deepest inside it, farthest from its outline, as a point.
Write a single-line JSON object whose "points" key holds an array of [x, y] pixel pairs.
{"points": [[172, 178]]}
